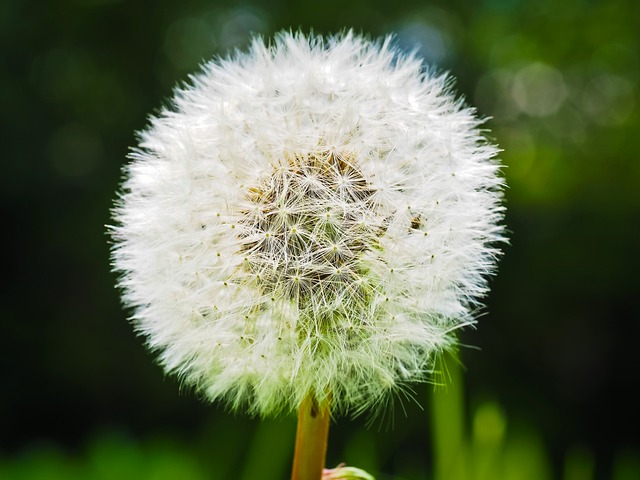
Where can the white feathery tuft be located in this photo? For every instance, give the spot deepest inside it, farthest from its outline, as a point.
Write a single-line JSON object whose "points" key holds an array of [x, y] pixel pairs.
{"points": [[314, 216]]}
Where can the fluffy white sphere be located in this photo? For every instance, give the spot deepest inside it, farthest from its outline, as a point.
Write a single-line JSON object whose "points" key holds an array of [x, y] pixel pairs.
{"points": [[316, 216]]}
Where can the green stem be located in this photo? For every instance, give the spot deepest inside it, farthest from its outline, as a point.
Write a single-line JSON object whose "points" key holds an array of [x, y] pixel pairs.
{"points": [[311, 440]]}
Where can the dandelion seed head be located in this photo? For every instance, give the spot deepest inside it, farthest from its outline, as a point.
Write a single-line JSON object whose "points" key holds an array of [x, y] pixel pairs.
{"points": [[311, 216]]}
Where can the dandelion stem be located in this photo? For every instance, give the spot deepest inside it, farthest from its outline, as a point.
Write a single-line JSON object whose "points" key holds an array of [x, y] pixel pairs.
{"points": [[311, 440]]}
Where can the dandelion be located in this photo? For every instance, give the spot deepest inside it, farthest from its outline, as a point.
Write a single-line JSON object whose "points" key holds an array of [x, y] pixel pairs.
{"points": [[308, 226]]}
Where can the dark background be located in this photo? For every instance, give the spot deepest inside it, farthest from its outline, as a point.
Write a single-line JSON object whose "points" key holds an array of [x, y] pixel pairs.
{"points": [[557, 348]]}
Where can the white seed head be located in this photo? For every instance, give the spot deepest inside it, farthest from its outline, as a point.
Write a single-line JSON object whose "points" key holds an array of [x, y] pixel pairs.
{"points": [[313, 216]]}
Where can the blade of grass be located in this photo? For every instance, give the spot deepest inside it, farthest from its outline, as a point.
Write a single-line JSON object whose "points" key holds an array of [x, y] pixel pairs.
{"points": [[448, 420]]}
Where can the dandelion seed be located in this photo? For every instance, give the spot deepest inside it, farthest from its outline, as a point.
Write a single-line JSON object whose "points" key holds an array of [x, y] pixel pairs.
{"points": [[296, 184]]}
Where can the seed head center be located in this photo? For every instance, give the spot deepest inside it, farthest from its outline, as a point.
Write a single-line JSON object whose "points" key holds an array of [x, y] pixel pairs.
{"points": [[309, 223]]}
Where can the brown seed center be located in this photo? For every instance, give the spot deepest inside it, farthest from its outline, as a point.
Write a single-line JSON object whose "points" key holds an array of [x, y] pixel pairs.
{"points": [[307, 226]]}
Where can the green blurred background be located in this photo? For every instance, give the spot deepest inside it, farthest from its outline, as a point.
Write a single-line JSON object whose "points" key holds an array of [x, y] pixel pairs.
{"points": [[553, 366]]}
